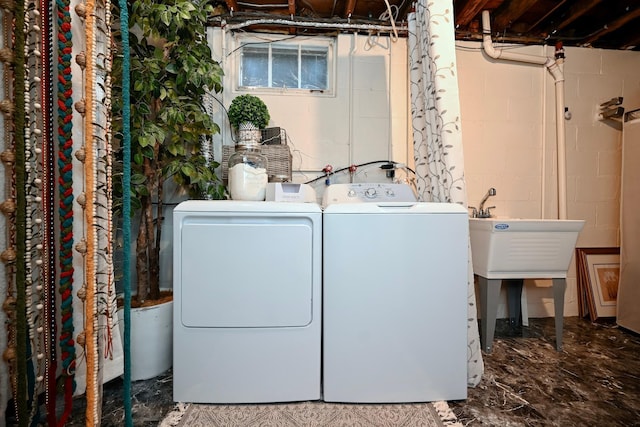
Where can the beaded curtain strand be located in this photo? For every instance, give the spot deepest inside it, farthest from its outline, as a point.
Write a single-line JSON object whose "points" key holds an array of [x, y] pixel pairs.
{"points": [[33, 241], [8, 207], [91, 349], [126, 200], [126, 206], [80, 247], [103, 261], [31, 71], [48, 187], [22, 411], [65, 204], [106, 198]]}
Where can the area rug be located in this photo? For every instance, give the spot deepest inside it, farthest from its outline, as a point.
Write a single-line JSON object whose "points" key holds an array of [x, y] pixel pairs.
{"points": [[313, 414]]}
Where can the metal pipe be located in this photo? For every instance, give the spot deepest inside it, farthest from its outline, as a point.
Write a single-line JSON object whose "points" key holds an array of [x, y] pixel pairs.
{"points": [[491, 192]]}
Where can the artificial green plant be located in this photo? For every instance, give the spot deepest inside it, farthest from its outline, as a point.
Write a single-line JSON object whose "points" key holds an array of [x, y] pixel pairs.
{"points": [[171, 73]]}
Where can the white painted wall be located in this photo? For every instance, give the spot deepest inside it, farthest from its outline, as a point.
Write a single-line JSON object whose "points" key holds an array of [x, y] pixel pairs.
{"points": [[365, 120], [508, 123]]}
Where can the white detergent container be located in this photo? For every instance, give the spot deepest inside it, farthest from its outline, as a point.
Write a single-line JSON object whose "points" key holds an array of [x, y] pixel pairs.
{"points": [[247, 301], [395, 296]]}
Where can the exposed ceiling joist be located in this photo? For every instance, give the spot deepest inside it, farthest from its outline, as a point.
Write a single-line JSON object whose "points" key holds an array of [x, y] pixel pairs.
{"points": [[610, 24], [632, 43], [543, 18], [615, 25], [514, 10], [232, 5], [292, 12], [349, 7], [469, 10], [576, 11]]}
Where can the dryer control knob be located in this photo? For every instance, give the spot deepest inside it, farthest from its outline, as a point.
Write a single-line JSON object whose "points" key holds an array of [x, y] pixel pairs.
{"points": [[352, 193], [390, 193], [370, 193]]}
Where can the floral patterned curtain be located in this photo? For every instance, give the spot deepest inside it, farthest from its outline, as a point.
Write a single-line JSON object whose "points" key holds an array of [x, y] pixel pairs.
{"points": [[437, 133]]}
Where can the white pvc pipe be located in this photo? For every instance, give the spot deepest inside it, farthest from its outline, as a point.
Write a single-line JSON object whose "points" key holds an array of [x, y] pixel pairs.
{"points": [[352, 54], [555, 67], [390, 105], [543, 142], [558, 75], [503, 54]]}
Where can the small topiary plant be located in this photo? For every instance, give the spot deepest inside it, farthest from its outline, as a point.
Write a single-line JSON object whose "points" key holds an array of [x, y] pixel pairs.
{"points": [[248, 108]]}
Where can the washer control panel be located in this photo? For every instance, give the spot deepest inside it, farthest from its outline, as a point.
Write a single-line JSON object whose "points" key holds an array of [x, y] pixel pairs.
{"points": [[367, 192]]}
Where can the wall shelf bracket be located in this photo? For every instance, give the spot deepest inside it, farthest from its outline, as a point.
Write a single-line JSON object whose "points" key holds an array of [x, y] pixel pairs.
{"points": [[611, 112]]}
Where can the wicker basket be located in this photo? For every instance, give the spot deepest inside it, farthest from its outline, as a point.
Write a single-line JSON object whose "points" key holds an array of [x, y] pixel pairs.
{"points": [[278, 161]]}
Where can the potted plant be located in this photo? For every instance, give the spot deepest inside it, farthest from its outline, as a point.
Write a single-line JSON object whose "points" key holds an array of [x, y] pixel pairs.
{"points": [[247, 115], [171, 72]]}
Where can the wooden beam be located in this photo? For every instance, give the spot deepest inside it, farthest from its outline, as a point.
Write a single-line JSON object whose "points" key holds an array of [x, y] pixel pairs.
{"points": [[507, 39], [469, 10], [512, 13], [613, 26], [546, 15], [632, 43], [292, 13], [578, 9], [403, 9], [349, 8], [232, 5]]}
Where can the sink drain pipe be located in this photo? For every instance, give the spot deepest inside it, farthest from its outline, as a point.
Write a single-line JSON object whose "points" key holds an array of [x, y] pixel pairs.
{"points": [[556, 68]]}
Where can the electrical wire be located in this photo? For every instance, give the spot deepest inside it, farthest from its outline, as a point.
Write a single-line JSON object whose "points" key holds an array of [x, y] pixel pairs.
{"points": [[392, 19], [261, 42], [226, 112], [319, 178]]}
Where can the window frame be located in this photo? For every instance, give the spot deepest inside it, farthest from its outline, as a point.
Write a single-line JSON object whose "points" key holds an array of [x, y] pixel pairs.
{"points": [[300, 43]]}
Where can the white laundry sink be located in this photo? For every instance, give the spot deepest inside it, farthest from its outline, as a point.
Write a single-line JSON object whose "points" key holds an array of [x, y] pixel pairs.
{"points": [[522, 248]]}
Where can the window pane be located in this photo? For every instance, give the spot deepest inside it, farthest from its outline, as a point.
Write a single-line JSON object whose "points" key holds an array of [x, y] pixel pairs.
{"points": [[284, 66], [255, 66], [314, 68]]}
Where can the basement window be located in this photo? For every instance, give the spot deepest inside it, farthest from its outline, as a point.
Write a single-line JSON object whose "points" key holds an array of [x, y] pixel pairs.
{"points": [[286, 65]]}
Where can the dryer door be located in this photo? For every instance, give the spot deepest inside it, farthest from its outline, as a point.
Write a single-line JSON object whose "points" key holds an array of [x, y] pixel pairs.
{"points": [[247, 271]]}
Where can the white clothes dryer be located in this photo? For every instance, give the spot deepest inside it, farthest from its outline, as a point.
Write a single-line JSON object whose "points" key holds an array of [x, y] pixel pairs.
{"points": [[247, 302], [395, 296]]}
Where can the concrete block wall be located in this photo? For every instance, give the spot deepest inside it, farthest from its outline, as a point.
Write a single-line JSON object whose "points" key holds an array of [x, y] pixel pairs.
{"points": [[509, 134]]}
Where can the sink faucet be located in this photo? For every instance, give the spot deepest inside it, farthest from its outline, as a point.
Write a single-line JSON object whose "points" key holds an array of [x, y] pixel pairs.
{"points": [[481, 212]]}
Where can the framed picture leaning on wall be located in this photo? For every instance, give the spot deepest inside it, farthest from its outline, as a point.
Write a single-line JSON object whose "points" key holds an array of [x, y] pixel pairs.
{"points": [[598, 271]]}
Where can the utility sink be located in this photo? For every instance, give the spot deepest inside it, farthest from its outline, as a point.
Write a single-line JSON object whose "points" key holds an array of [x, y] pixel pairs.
{"points": [[519, 249], [522, 248]]}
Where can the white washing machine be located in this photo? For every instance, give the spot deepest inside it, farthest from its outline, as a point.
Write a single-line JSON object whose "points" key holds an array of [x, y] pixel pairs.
{"points": [[395, 296], [247, 302]]}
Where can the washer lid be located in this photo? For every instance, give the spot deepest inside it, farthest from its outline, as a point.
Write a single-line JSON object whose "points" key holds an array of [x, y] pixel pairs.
{"points": [[396, 208]]}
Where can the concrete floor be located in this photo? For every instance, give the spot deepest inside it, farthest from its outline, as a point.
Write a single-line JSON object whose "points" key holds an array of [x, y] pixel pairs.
{"points": [[593, 381]]}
